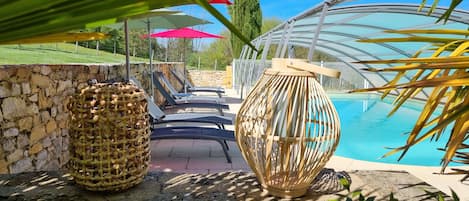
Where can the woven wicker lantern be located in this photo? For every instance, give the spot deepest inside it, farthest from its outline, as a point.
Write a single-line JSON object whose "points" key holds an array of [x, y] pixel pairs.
{"points": [[109, 137], [287, 127]]}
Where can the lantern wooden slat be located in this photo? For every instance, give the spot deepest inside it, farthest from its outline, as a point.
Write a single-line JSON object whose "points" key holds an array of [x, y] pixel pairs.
{"points": [[109, 137], [287, 127]]}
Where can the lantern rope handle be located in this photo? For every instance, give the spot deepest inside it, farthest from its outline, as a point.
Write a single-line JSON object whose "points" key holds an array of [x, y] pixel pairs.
{"points": [[304, 66]]}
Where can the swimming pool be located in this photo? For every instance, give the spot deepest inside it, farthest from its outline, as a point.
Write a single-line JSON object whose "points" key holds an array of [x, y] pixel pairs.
{"points": [[366, 131]]}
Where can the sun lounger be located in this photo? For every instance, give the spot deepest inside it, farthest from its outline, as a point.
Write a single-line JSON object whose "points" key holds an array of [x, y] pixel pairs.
{"points": [[192, 88], [159, 116], [171, 102], [178, 95], [178, 132]]}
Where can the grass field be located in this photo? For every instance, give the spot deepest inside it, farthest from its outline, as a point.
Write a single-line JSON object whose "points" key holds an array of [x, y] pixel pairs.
{"points": [[60, 53]]}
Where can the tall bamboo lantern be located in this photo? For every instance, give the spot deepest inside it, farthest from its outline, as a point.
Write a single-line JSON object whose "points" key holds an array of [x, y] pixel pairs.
{"points": [[109, 137], [287, 127]]}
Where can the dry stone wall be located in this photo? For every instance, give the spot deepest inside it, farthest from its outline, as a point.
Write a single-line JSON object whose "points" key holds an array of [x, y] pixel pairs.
{"points": [[34, 113], [207, 78]]}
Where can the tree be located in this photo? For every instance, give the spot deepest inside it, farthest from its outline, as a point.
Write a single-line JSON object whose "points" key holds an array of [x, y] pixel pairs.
{"points": [[269, 23], [218, 51], [246, 15]]}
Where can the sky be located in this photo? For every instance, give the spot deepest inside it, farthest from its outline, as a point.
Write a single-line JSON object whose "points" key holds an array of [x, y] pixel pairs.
{"points": [[280, 9]]}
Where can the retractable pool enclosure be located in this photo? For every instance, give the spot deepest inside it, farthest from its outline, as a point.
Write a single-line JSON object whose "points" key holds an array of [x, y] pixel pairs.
{"points": [[334, 29]]}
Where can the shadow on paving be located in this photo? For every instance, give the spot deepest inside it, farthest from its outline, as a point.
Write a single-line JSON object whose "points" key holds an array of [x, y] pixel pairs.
{"points": [[217, 186]]}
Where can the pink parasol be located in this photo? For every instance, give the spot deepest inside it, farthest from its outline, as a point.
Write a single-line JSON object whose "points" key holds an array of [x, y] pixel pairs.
{"points": [[227, 2], [184, 33]]}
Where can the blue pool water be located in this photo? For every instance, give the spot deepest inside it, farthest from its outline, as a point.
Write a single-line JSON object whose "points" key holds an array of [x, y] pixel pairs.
{"points": [[366, 131]]}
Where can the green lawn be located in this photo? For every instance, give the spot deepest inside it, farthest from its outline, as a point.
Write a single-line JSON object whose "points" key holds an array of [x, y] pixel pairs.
{"points": [[60, 53]]}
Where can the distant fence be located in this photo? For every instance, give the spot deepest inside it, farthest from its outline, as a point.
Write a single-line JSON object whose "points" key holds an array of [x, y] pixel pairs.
{"points": [[247, 72]]}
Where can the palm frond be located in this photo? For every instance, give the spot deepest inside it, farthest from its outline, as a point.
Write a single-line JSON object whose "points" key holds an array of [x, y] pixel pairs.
{"points": [[30, 18], [447, 77], [408, 39], [430, 31]]}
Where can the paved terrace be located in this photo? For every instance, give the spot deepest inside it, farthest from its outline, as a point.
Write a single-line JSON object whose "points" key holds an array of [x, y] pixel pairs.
{"points": [[196, 156], [197, 170]]}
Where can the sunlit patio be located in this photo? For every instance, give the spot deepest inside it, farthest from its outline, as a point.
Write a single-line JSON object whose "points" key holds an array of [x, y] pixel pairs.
{"points": [[317, 107]]}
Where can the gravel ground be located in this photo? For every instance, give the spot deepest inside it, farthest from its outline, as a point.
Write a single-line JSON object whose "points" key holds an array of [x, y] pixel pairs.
{"points": [[217, 186]]}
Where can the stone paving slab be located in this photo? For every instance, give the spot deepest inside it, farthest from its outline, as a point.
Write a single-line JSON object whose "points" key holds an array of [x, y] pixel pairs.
{"points": [[186, 186]]}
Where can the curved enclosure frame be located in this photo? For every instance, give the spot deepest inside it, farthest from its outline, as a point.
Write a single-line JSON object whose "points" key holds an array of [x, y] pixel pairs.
{"points": [[339, 29]]}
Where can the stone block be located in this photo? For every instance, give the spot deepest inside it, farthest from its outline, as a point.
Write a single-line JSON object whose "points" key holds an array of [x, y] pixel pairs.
{"points": [[44, 101], [15, 156], [94, 69], [45, 116], [9, 124], [4, 75], [61, 116], [51, 91], [42, 155], [40, 81], [65, 132], [63, 123], [15, 89], [32, 110], [35, 149], [21, 166], [22, 141], [82, 77], [40, 164], [25, 124], [64, 85], [54, 134], [37, 133], [36, 120], [45, 70], [13, 107], [35, 89], [33, 98], [64, 158], [69, 75], [53, 165], [26, 88], [8, 144], [53, 111], [23, 74], [46, 142], [36, 69], [59, 75], [3, 166], [51, 126], [65, 143], [57, 100], [4, 91], [11, 132]]}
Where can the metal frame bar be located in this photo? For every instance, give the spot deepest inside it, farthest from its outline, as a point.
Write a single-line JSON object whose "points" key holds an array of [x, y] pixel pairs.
{"points": [[266, 48], [279, 47], [318, 30], [287, 38]]}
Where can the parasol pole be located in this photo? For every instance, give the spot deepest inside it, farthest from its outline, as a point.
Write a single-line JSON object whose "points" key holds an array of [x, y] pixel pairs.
{"points": [[127, 62], [184, 61], [152, 92]]}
